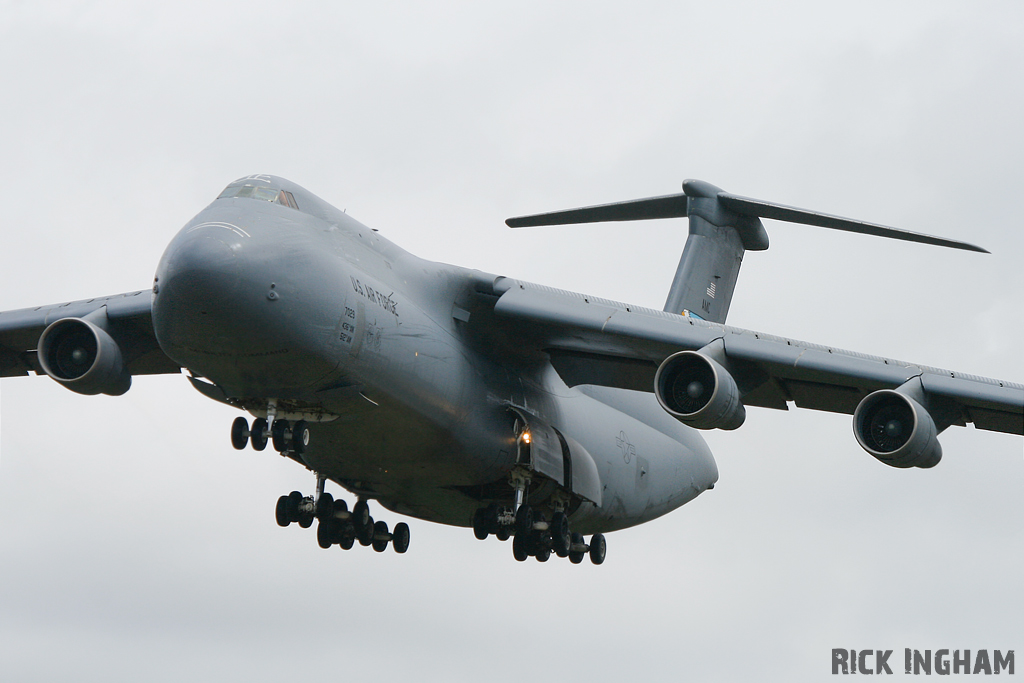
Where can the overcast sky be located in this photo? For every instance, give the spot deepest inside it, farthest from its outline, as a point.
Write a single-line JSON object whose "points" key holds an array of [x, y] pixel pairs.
{"points": [[136, 544]]}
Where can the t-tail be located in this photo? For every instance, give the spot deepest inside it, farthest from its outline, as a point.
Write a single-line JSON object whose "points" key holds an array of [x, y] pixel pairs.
{"points": [[722, 227]]}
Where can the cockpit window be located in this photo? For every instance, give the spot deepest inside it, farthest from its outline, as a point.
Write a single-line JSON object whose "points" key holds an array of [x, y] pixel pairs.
{"points": [[267, 194]]}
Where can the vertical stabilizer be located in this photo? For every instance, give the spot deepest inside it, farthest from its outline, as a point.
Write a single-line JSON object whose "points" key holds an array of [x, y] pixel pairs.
{"points": [[706, 277]]}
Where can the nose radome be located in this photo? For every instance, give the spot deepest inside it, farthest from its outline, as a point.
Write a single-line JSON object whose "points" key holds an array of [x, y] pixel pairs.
{"points": [[197, 290], [202, 271]]}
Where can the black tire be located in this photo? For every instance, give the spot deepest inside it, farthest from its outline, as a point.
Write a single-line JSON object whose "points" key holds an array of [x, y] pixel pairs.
{"points": [[491, 515], [598, 548], [348, 536], [325, 507], [520, 550], [364, 534], [300, 436], [240, 433], [576, 556], [277, 435], [258, 434], [480, 524], [360, 513], [281, 512], [340, 506], [326, 533], [543, 554], [380, 536], [306, 517], [503, 533], [294, 501], [561, 539], [524, 521], [400, 537]]}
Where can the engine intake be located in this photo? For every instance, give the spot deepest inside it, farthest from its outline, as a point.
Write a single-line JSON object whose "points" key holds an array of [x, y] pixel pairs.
{"points": [[699, 392], [83, 357], [897, 430]]}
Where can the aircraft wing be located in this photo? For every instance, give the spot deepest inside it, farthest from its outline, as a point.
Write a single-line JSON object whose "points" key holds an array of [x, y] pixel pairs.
{"points": [[129, 322], [602, 342]]}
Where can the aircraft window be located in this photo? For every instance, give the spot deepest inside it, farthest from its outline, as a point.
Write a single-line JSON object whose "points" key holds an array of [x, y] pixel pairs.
{"points": [[267, 194], [287, 199]]}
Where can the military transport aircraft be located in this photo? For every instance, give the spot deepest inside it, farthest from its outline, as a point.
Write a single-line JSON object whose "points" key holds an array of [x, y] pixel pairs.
{"points": [[470, 399]]}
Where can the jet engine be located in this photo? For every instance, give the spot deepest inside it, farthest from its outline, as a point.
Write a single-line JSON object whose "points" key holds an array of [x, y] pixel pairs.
{"points": [[896, 430], [83, 357], [699, 392]]}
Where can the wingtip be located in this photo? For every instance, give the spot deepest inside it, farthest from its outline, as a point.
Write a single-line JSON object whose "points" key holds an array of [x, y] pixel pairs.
{"points": [[966, 246]]}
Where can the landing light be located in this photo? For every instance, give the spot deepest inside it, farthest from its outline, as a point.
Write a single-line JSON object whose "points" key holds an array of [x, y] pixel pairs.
{"points": [[525, 437]]}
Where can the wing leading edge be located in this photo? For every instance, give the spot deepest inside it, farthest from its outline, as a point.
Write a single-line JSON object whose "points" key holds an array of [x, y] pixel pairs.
{"points": [[602, 342]]}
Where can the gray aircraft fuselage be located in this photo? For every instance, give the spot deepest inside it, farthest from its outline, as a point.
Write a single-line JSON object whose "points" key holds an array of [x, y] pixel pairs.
{"points": [[410, 383]]}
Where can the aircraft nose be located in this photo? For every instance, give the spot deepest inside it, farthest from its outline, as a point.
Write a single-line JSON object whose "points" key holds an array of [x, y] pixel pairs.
{"points": [[201, 273], [197, 289]]}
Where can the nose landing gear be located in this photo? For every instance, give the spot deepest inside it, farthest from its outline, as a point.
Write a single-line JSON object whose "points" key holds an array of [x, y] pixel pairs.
{"points": [[286, 436]]}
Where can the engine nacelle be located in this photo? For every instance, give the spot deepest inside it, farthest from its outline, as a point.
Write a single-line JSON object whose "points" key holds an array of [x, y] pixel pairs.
{"points": [[698, 392], [896, 430], [83, 358]]}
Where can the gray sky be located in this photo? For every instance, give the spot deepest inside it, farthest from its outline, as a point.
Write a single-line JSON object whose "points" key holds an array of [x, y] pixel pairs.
{"points": [[136, 544]]}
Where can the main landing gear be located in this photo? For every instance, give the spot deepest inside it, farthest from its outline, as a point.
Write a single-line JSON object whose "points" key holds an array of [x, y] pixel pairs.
{"points": [[286, 436], [533, 535], [339, 525]]}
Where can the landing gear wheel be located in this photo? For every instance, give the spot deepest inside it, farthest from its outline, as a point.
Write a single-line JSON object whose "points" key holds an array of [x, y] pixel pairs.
{"points": [[360, 514], [576, 556], [365, 533], [524, 521], [380, 536], [561, 539], [520, 550], [294, 501], [598, 548], [300, 436], [326, 533], [503, 533], [400, 537], [306, 515], [325, 507], [277, 435], [348, 536], [258, 435], [240, 433], [480, 524], [340, 506], [543, 554], [282, 514]]}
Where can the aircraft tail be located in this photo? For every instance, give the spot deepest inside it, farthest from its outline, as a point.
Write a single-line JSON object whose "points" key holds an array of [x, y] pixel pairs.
{"points": [[722, 227], [710, 265]]}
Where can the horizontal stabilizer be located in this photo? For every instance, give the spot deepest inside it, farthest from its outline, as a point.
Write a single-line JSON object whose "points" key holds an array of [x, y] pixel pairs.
{"points": [[694, 199], [745, 206], [668, 206]]}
